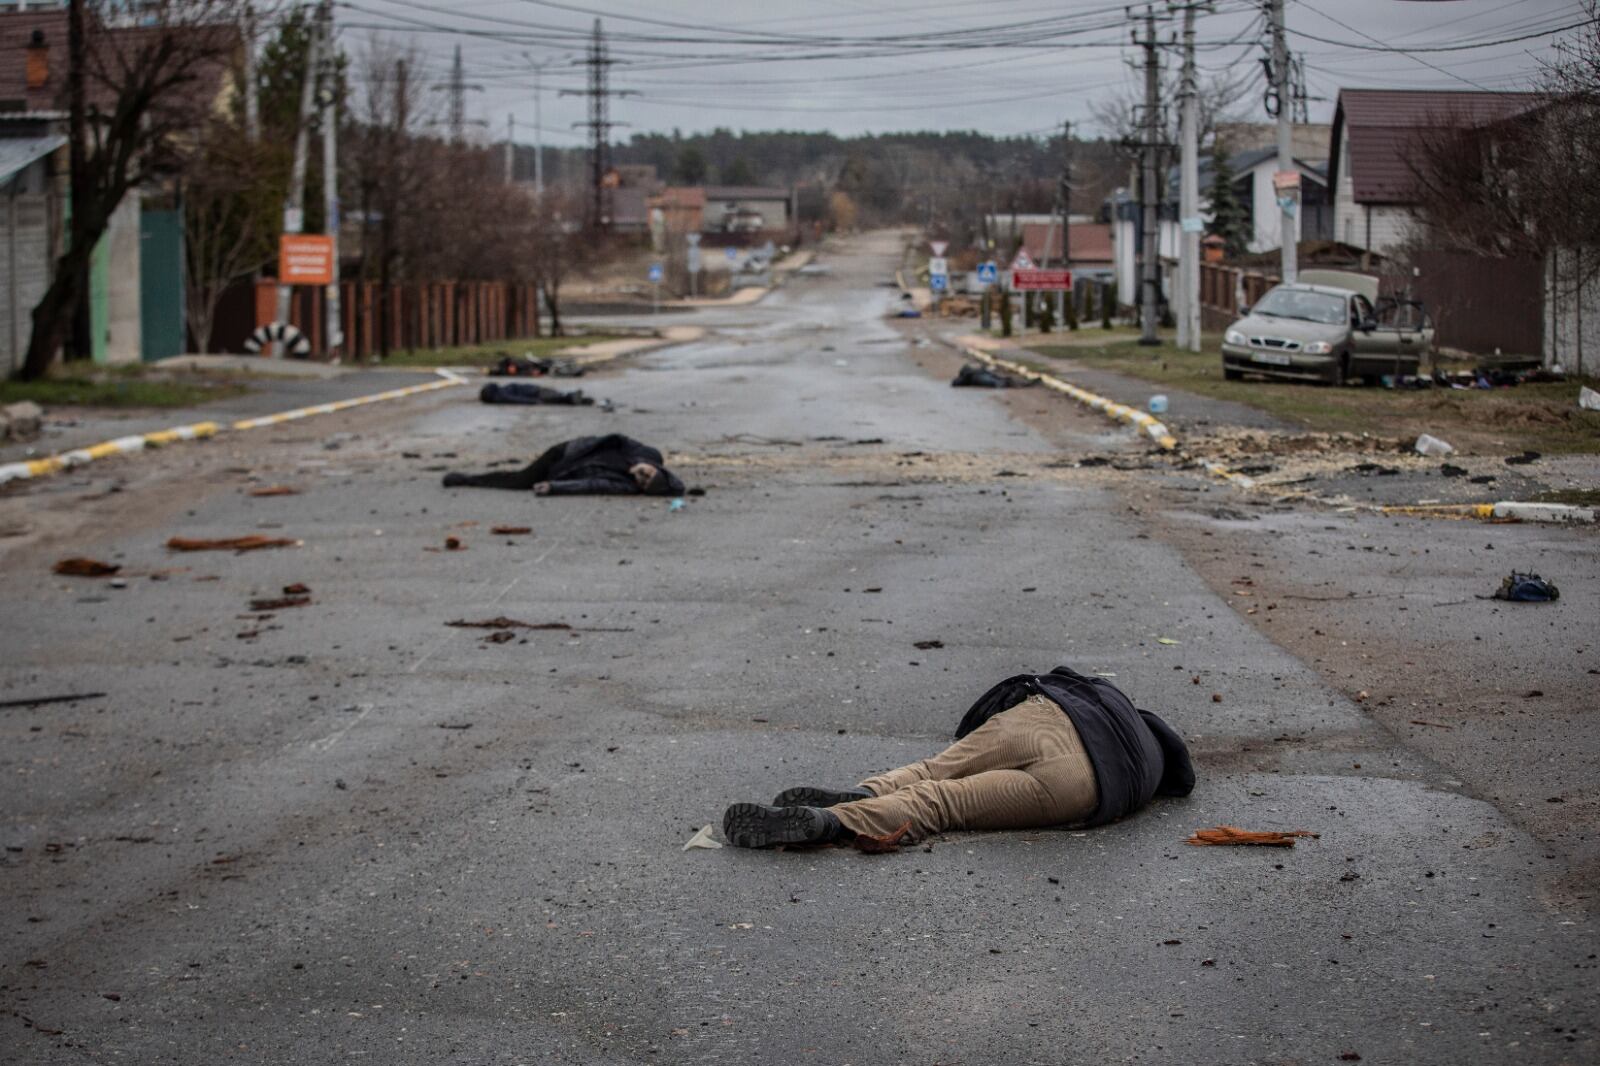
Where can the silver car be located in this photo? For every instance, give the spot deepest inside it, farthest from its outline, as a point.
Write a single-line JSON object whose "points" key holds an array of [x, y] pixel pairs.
{"points": [[1329, 326]]}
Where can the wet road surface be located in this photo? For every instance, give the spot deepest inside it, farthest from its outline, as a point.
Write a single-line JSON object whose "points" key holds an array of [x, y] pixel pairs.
{"points": [[348, 832]]}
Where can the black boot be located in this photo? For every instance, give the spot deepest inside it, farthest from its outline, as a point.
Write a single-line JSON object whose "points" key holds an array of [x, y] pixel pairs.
{"points": [[752, 825], [805, 796]]}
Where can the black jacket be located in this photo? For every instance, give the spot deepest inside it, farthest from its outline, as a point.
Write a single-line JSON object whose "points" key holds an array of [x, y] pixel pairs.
{"points": [[1135, 754], [584, 466]]}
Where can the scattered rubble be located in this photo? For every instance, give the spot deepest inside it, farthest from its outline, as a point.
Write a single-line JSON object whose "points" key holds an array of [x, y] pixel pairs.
{"points": [[254, 542]]}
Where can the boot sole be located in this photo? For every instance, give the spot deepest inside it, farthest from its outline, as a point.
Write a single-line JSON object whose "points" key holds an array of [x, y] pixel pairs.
{"points": [[815, 797], [752, 825]]}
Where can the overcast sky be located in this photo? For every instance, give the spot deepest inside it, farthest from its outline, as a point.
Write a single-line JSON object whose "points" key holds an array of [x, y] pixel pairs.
{"points": [[1001, 66]]}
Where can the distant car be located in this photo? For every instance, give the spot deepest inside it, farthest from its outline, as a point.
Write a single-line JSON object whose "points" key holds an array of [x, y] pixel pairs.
{"points": [[1328, 326]]}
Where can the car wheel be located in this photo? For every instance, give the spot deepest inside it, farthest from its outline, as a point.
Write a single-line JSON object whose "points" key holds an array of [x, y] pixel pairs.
{"points": [[1341, 372]]}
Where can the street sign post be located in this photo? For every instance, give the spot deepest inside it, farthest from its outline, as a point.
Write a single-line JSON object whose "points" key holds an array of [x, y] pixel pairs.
{"points": [[939, 282], [1023, 260], [692, 261], [655, 275], [938, 248], [988, 273], [938, 270], [731, 253], [305, 259]]}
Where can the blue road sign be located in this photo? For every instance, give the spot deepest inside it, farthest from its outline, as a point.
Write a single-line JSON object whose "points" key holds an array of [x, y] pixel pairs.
{"points": [[655, 273], [939, 282], [988, 273], [731, 253]]}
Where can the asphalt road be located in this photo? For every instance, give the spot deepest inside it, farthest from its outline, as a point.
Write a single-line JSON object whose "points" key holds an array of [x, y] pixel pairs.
{"points": [[348, 832]]}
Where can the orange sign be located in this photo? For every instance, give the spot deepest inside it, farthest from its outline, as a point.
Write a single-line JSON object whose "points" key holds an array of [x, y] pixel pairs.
{"points": [[305, 259]]}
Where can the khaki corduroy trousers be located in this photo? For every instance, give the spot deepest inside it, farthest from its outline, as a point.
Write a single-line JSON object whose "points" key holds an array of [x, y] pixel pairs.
{"points": [[1025, 768]]}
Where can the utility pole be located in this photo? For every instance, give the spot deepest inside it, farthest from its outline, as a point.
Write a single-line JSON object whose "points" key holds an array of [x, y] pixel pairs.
{"points": [[599, 92], [1282, 94], [538, 133], [78, 163], [1150, 269], [1189, 194], [511, 148], [252, 91], [333, 320], [294, 213]]}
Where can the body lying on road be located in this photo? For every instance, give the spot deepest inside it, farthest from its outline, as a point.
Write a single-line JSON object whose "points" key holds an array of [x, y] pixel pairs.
{"points": [[585, 466], [528, 393], [1036, 750]]}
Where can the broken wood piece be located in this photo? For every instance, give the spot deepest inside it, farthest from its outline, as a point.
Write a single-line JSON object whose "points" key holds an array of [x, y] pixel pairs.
{"points": [[505, 623], [276, 490], [78, 566], [39, 701], [510, 531], [280, 603], [1228, 835], [252, 542]]}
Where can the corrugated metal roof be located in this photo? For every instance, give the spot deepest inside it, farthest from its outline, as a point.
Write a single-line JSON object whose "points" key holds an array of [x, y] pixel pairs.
{"points": [[17, 152], [1383, 127]]}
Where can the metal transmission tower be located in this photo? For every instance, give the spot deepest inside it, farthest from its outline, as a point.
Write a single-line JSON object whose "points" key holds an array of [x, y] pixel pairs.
{"points": [[457, 86], [599, 125]]}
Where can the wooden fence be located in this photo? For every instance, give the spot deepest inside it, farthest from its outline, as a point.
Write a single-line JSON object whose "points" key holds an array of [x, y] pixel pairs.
{"points": [[429, 315]]}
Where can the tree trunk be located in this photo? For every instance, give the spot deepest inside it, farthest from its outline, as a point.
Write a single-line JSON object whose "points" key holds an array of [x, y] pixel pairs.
{"points": [[552, 299], [52, 316]]}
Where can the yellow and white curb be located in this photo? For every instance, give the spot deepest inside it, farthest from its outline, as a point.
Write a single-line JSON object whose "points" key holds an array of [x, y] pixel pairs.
{"points": [[449, 379], [1505, 511], [53, 464], [1152, 427]]}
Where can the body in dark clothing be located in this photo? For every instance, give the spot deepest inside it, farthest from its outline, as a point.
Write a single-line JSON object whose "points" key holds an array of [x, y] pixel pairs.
{"points": [[1035, 750], [523, 392], [974, 377], [608, 465]]}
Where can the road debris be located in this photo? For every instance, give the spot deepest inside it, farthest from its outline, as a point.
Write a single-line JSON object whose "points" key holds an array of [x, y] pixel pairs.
{"points": [[503, 622], [1526, 588], [254, 542], [1430, 445], [81, 567], [280, 603], [1524, 459], [40, 701], [702, 839], [502, 636], [1588, 399], [1435, 725], [452, 544], [510, 531], [928, 645], [1233, 836], [276, 490]]}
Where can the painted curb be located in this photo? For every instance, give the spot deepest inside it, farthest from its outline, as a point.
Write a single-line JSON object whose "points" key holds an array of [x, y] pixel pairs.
{"points": [[36, 468], [1120, 411], [1505, 510]]}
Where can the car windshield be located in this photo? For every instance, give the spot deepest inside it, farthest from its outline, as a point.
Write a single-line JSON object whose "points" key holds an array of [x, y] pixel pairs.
{"points": [[1298, 303]]}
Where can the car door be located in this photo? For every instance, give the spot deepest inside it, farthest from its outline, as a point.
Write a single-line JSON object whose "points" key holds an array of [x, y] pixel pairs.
{"points": [[1373, 348]]}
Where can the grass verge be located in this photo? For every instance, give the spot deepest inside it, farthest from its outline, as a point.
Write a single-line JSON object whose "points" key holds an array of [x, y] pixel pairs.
{"points": [[131, 386], [1543, 417], [486, 354]]}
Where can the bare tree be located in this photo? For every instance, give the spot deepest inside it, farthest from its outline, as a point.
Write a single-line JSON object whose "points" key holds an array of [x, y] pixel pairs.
{"points": [[230, 201], [1517, 184], [134, 94], [560, 248]]}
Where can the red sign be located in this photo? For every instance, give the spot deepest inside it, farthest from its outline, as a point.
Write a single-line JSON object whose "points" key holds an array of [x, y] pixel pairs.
{"points": [[1023, 261], [305, 259], [1041, 280]]}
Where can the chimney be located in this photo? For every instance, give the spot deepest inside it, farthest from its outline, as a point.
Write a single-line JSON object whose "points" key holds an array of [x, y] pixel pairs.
{"points": [[38, 61]]}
